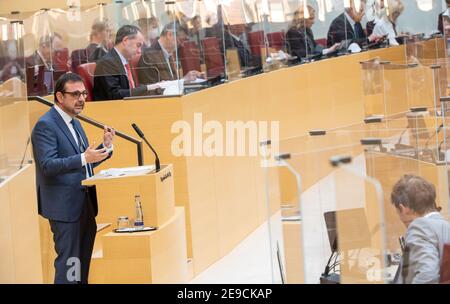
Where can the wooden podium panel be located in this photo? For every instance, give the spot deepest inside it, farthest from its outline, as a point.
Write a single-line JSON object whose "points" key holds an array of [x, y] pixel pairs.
{"points": [[147, 257], [293, 254], [116, 196], [19, 230]]}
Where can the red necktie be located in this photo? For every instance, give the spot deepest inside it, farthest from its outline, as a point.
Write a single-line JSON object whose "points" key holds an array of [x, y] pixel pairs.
{"points": [[130, 76]]}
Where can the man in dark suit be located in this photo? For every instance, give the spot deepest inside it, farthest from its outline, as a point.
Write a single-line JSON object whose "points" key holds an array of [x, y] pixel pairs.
{"points": [[63, 159], [427, 231], [98, 40], [113, 77], [347, 26], [158, 62], [440, 19], [41, 61]]}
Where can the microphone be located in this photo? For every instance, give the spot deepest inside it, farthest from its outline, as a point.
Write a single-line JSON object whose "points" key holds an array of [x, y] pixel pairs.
{"points": [[434, 134], [141, 135], [439, 146]]}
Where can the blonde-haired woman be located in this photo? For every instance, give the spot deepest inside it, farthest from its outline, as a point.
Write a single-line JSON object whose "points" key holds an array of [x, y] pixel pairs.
{"points": [[386, 23]]}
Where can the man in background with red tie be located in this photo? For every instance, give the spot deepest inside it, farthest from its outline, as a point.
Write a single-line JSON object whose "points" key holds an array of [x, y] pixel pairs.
{"points": [[63, 159], [113, 77]]}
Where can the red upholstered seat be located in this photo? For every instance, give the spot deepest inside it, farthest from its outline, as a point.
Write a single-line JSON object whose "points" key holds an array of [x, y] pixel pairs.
{"points": [[256, 42], [277, 40], [189, 56], [322, 41], [78, 57], [60, 59], [86, 71], [445, 266], [213, 57]]}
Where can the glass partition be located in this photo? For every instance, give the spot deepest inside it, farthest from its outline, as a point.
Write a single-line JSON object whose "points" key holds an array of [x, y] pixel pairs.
{"points": [[14, 127]]}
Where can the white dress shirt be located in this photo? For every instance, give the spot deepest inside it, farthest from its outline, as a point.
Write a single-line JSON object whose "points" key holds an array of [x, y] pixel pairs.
{"points": [[67, 119], [384, 27], [123, 59], [350, 20]]}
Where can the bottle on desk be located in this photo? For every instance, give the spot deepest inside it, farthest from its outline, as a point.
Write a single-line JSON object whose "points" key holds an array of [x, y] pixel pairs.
{"points": [[139, 220]]}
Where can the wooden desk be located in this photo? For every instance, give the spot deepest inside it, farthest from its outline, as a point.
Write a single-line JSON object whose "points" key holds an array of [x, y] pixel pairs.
{"points": [[222, 192]]}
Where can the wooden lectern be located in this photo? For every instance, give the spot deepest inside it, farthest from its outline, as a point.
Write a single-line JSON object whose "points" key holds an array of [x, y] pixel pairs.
{"points": [[158, 256]]}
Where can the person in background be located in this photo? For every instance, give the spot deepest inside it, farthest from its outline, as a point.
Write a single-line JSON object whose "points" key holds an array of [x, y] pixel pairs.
{"points": [[98, 40], [387, 24], [300, 37], [441, 17], [414, 199], [197, 33], [150, 30], [347, 26], [44, 57], [158, 62], [113, 77]]}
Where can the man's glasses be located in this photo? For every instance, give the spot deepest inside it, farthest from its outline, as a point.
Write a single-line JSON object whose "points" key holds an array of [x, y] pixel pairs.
{"points": [[76, 94]]}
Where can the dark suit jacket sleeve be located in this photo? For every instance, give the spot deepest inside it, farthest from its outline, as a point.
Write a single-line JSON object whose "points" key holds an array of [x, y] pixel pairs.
{"points": [[440, 24], [109, 156], [46, 152], [147, 73], [296, 43], [336, 33]]}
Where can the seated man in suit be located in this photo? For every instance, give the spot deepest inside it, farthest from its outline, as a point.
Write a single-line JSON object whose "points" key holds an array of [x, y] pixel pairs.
{"points": [[158, 62], [300, 37], [43, 56], [97, 47], [414, 199], [113, 78], [348, 26]]}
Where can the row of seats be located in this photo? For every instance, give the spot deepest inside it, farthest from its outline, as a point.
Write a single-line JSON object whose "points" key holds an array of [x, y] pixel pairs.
{"points": [[189, 56]]}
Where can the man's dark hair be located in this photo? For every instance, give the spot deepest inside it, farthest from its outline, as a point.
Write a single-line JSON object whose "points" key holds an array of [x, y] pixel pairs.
{"points": [[172, 27], [415, 193], [48, 39], [60, 84], [129, 31]]}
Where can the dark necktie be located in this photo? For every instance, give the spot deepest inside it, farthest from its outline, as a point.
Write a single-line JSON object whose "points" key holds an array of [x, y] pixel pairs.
{"points": [[359, 32], [395, 28], [82, 147]]}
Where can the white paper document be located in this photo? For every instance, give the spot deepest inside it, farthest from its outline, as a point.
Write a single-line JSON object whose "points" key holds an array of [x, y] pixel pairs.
{"points": [[114, 172]]}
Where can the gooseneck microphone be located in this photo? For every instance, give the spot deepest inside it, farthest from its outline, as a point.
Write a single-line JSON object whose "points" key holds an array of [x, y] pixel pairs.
{"points": [[141, 135]]}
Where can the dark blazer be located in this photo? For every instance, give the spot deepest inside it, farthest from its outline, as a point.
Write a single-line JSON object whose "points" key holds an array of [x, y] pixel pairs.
{"points": [[341, 29], [111, 80], [59, 171], [301, 42], [153, 67], [95, 52], [441, 23]]}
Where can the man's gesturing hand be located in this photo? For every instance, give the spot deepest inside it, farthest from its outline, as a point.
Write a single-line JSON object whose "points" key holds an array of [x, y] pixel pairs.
{"points": [[94, 156]]}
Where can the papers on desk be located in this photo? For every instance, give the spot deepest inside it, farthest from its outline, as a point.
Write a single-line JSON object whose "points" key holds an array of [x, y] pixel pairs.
{"points": [[172, 87], [354, 48], [115, 172], [198, 80]]}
